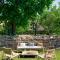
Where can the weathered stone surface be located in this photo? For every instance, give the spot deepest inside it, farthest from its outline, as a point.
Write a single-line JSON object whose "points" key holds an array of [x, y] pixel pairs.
{"points": [[12, 41]]}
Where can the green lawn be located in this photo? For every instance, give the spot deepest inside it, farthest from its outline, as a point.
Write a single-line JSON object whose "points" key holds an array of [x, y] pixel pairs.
{"points": [[57, 56], [27, 59]]}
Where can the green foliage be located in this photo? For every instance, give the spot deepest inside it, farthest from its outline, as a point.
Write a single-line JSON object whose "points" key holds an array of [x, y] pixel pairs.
{"points": [[21, 30], [51, 20], [18, 12]]}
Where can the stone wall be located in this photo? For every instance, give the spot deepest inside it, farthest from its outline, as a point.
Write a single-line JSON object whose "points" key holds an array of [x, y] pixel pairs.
{"points": [[12, 41], [7, 41]]}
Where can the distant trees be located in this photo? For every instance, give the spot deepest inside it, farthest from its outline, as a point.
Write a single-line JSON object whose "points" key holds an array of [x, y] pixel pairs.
{"points": [[51, 20]]}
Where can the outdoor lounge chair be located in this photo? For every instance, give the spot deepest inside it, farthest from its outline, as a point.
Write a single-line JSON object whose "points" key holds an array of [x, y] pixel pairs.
{"points": [[9, 54], [49, 55]]}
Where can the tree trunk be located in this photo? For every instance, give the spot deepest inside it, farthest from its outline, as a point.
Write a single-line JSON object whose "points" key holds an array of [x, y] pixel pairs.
{"points": [[13, 28], [34, 26], [10, 28]]}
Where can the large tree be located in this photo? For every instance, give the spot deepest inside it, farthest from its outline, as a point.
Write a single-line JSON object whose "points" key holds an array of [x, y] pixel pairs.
{"points": [[18, 12]]}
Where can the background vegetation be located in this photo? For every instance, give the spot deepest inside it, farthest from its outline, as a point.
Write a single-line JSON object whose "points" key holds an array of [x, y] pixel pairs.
{"points": [[19, 17]]}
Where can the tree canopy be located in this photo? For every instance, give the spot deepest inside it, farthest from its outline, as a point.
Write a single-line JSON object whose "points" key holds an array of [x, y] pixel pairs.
{"points": [[51, 20], [18, 12]]}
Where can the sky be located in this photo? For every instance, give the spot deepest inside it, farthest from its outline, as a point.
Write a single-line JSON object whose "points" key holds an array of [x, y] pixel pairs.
{"points": [[56, 2]]}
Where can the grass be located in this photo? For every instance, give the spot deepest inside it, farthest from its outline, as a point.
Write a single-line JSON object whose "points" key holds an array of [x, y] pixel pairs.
{"points": [[57, 56], [27, 59]]}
